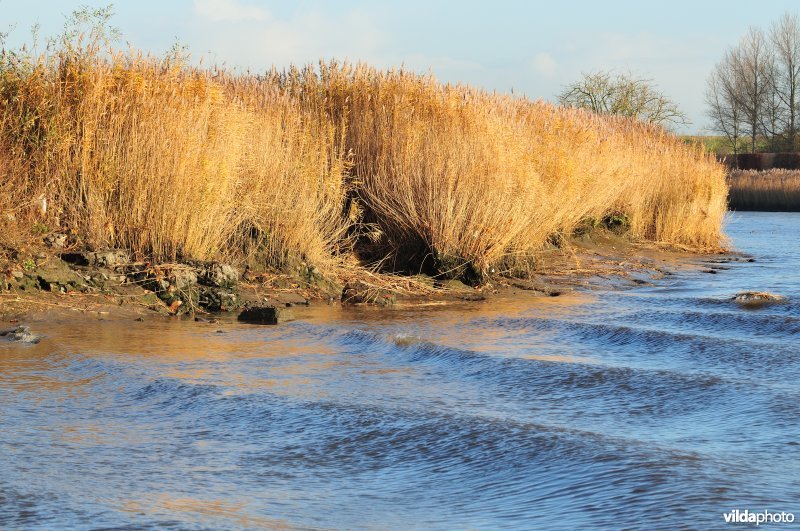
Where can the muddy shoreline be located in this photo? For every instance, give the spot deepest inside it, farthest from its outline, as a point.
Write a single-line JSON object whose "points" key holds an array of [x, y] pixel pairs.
{"points": [[106, 285]]}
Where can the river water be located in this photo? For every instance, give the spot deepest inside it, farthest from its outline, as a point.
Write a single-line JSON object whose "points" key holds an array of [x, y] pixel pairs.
{"points": [[660, 406]]}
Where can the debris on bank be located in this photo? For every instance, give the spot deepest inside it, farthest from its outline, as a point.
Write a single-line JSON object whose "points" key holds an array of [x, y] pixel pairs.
{"points": [[195, 287], [61, 276]]}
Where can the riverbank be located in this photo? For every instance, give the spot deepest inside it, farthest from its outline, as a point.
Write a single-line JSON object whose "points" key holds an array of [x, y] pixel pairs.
{"points": [[108, 285]]}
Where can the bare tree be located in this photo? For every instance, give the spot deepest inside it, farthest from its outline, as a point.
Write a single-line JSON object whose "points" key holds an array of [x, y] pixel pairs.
{"points": [[752, 65], [773, 113], [608, 93], [785, 38], [722, 98]]}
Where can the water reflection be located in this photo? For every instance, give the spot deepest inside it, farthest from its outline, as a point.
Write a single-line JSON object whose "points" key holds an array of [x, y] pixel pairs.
{"points": [[192, 510]]}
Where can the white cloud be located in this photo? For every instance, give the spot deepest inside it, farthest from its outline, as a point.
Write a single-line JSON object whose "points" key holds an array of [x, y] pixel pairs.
{"points": [[301, 38], [229, 10], [544, 64]]}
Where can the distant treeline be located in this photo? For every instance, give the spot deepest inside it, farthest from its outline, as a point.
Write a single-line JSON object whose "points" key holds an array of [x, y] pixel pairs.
{"points": [[762, 161]]}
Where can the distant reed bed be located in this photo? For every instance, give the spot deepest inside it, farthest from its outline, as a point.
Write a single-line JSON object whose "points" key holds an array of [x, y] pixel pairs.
{"points": [[770, 190], [338, 165]]}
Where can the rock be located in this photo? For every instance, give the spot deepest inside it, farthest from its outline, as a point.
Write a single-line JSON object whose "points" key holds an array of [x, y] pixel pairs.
{"points": [[359, 292], [220, 275], [156, 284], [109, 259], [452, 284], [182, 278], [22, 334], [218, 299], [104, 278], [57, 276], [266, 315], [56, 240], [756, 299], [152, 301]]}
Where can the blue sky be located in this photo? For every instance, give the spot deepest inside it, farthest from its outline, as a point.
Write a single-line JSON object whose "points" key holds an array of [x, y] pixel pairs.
{"points": [[531, 47]]}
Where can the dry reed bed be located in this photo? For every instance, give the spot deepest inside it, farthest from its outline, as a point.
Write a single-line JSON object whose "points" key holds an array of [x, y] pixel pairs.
{"points": [[770, 190], [335, 165]]}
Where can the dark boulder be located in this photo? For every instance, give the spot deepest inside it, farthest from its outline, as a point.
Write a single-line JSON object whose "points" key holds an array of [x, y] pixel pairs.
{"points": [[268, 315]]}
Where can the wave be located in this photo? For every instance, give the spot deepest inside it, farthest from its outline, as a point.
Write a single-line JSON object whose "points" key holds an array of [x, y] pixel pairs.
{"points": [[698, 347], [761, 327], [558, 387], [472, 465]]}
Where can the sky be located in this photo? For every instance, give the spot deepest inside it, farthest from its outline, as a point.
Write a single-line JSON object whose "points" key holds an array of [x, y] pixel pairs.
{"points": [[529, 47]]}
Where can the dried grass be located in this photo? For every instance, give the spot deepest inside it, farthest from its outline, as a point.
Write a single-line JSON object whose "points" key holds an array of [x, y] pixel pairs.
{"points": [[468, 180], [770, 190], [175, 163]]}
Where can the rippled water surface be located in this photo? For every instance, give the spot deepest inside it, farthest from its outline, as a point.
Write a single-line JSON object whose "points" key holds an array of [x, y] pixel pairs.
{"points": [[659, 406]]}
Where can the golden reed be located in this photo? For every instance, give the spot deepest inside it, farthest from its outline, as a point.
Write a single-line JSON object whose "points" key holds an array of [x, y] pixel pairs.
{"points": [[771, 190], [175, 162]]}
